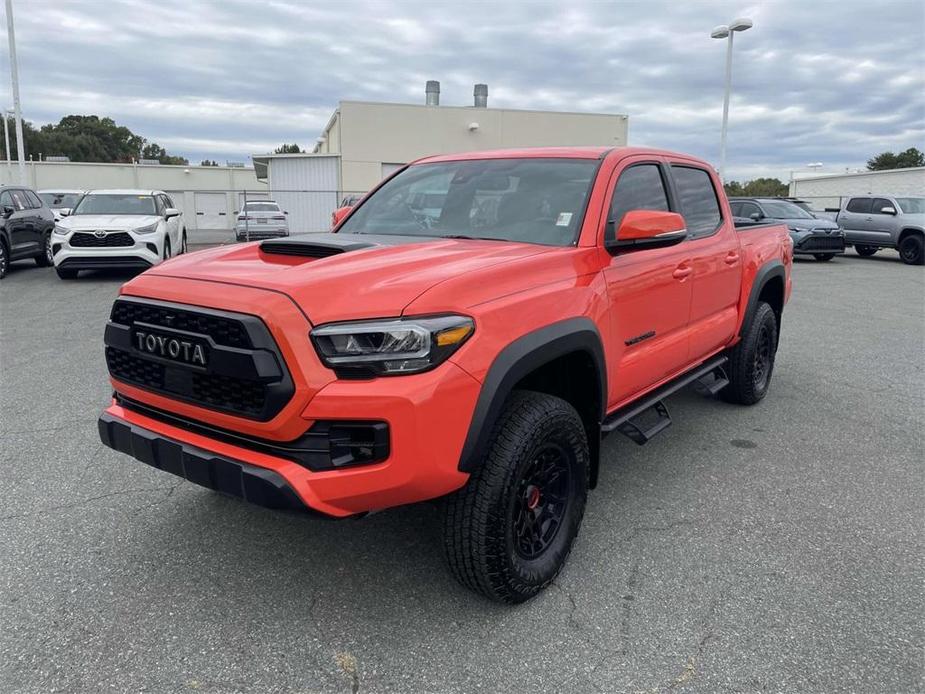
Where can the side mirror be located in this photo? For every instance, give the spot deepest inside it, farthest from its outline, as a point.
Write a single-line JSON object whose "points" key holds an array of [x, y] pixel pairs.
{"points": [[755, 216], [285, 212], [647, 229], [171, 212], [338, 215], [64, 212], [889, 209], [7, 210]]}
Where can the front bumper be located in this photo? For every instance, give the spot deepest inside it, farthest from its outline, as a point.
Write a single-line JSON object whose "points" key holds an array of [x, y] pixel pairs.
{"points": [[146, 250], [818, 242]]}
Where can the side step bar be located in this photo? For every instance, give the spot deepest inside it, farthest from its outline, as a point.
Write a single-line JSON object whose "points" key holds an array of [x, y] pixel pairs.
{"points": [[642, 420]]}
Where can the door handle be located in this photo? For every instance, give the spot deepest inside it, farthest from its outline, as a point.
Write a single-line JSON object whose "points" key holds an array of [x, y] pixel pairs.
{"points": [[681, 272], [732, 258], [868, 219]]}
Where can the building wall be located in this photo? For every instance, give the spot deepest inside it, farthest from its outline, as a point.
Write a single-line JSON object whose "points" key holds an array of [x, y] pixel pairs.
{"points": [[373, 134], [307, 189], [180, 182], [827, 191]]}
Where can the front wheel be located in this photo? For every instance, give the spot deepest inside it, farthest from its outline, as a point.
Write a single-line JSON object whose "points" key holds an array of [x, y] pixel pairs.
{"points": [[47, 258], [865, 251], [911, 251], [751, 362], [4, 260], [508, 532], [823, 257]]}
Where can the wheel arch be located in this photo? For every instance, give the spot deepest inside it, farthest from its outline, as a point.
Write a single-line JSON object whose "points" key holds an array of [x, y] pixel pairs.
{"points": [[565, 359], [769, 287], [909, 231]]}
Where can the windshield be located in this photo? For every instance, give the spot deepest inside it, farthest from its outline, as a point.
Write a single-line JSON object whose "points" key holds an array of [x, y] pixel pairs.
{"points": [[60, 200], [527, 200], [116, 204], [781, 209], [261, 207], [911, 205]]}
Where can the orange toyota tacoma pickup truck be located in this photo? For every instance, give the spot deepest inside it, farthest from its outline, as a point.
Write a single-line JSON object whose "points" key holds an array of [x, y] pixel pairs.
{"points": [[468, 332]]}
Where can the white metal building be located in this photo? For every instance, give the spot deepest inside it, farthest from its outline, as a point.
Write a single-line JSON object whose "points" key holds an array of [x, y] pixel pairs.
{"points": [[365, 141], [826, 190], [208, 196]]}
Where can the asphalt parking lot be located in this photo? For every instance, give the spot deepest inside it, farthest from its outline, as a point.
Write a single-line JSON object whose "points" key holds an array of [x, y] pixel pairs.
{"points": [[773, 548]]}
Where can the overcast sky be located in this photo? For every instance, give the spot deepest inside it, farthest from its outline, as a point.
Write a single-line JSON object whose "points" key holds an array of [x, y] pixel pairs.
{"points": [[831, 82]]}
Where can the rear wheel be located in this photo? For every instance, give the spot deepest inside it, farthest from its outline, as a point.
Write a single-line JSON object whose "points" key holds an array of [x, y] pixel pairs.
{"points": [[751, 362], [823, 257], [66, 274], [47, 258], [509, 531], [4, 259], [911, 251], [865, 251]]}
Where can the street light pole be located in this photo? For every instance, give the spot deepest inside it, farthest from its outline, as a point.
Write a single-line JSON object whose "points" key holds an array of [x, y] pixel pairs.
{"points": [[727, 32], [14, 75], [6, 136]]}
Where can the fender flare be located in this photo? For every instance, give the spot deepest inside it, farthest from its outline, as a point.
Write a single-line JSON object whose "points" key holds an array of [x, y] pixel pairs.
{"points": [[765, 274], [523, 356]]}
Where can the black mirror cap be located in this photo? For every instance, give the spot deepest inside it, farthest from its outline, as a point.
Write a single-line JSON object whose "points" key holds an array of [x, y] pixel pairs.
{"points": [[615, 246], [8, 210]]}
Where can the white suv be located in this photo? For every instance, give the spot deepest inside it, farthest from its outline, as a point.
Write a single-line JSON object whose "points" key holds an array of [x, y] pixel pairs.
{"points": [[118, 228]]}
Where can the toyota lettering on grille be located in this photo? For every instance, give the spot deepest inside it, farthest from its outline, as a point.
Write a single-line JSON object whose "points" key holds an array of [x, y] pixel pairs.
{"points": [[173, 348]]}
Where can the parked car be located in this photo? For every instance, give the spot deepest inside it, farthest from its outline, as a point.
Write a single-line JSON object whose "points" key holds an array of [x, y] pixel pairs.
{"points": [[346, 204], [872, 222], [820, 238], [25, 227], [61, 202], [261, 219], [118, 229], [402, 359]]}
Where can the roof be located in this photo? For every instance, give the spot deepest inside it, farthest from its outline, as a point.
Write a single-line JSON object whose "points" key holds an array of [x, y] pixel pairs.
{"points": [[126, 191], [557, 153], [60, 191]]}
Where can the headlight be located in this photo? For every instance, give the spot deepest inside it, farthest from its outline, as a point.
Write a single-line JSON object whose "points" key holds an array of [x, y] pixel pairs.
{"points": [[150, 229], [390, 347], [62, 231]]}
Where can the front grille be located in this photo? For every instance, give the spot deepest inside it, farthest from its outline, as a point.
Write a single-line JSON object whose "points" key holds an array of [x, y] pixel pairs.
{"points": [[244, 374], [224, 331], [824, 243], [112, 240]]}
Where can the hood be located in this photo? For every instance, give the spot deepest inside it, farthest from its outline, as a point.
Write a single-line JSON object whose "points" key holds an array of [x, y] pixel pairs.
{"points": [[109, 221], [807, 224], [367, 276]]}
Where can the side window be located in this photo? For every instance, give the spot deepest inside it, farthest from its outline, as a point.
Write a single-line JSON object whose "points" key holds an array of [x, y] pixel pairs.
{"points": [[34, 200], [699, 204], [159, 201], [859, 205], [20, 202], [748, 209], [879, 204], [167, 201], [639, 187], [5, 199]]}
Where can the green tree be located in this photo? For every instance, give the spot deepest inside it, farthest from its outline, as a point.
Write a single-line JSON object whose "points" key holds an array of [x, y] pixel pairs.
{"points": [[766, 188], [208, 162], [733, 189], [884, 161], [289, 149]]}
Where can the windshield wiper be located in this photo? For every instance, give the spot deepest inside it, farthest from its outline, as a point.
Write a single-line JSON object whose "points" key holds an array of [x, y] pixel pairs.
{"points": [[471, 238]]}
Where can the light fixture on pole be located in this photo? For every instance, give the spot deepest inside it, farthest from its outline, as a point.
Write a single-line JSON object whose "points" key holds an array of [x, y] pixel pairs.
{"points": [[726, 32]]}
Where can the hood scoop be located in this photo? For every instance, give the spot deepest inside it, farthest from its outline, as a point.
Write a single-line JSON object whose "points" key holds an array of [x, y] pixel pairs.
{"points": [[314, 245]]}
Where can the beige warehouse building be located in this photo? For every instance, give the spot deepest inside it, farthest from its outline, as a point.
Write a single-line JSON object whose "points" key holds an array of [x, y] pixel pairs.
{"points": [[365, 141]]}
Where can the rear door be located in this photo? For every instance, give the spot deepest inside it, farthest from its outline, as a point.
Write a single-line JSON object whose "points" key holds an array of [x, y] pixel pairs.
{"points": [[649, 289], [20, 224], [855, 219], [713, 246]]}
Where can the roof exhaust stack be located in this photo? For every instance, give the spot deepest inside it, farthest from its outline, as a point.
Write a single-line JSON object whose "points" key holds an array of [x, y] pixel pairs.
{"points": [[481, 95], [432, 92]]}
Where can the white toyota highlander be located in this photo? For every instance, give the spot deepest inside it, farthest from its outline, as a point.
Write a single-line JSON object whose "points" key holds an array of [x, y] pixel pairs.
{"points": [[118, 229]]}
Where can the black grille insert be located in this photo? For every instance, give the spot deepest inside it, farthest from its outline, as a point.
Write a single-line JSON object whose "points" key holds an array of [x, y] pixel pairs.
{"points": [[118, 239], [224, 331]]}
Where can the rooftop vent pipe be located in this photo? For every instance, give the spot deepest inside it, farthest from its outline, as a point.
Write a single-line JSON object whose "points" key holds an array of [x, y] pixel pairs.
{"points": [[481, 95], [432, 92]]}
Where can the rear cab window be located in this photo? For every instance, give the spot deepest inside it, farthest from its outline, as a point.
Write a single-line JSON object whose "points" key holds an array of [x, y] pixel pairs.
{"points": [[698, 200], [859, 205]]}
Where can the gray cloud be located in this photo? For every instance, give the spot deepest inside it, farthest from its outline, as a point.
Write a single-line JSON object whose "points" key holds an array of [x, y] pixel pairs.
{"points": [[814, 81]]}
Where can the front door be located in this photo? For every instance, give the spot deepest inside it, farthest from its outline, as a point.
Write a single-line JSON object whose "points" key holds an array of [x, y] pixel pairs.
{"points": [[649, 289]]}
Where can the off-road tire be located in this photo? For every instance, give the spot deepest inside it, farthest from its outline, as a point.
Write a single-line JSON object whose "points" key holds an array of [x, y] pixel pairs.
{"points": [[481, 521], [751, 362], [46, 258], [865, 251], [823, 257], [66, 273], [911, 251]]}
